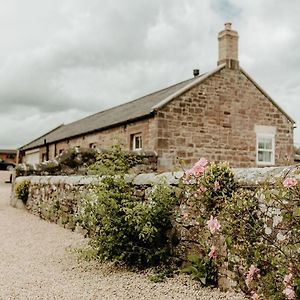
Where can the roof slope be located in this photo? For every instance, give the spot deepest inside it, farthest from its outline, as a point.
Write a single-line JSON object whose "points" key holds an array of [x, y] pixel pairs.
{"points": [[120, 114], [136, 109]]}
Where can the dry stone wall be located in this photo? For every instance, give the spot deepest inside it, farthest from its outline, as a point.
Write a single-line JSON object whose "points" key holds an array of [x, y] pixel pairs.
{"points": [[55, 198]]}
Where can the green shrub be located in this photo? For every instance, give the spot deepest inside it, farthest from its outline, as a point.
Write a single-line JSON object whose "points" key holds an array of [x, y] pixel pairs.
{"points": [[114, 161], [22, 191], [50, 167], [74, 158], [125, 228], [122, 226], [203, 270]]}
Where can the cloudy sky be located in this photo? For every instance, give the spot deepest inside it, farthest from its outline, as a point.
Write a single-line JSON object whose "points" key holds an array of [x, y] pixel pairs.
{"points": [[61, 60]]}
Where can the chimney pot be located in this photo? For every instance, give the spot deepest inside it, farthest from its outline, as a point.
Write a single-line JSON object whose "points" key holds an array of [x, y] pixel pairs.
{"points": [[228, 26], [196, 72]]}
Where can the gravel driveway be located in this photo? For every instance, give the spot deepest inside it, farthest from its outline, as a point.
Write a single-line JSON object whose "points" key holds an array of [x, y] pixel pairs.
{"points": [[34, 264]]}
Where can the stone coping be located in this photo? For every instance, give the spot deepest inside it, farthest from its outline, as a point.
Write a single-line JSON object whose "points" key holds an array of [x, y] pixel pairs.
{"points": [[245, 176]]}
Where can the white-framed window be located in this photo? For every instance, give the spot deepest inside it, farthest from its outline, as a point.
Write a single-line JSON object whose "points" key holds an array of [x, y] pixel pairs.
{"points": [[265, 149], [137, 141], [265, 145]]}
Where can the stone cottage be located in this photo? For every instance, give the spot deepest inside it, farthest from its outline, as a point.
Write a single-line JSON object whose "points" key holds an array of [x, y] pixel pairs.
{"points": [[220, 115]]}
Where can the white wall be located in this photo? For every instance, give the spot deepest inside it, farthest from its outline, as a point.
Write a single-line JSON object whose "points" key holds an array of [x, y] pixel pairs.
{"points": [[32, 156]]}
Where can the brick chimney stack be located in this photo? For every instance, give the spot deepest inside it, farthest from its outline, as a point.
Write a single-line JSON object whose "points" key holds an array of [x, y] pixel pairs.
{"points": [[228, 47]]}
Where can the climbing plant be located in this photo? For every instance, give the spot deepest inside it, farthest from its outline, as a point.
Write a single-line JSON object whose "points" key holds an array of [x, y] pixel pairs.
{"points": [[252, 232]]}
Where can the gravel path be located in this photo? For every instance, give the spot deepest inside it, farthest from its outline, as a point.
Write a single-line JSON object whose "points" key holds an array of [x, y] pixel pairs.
{"points": [[34, 264]]}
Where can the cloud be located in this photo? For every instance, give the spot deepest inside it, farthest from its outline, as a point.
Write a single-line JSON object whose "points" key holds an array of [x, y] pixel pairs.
{"points": [[25, 129], [98, 43], [63, 59]]}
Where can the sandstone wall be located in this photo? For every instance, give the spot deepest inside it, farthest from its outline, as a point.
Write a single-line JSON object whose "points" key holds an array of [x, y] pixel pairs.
{"points": [[106, 138], [217, 119]]}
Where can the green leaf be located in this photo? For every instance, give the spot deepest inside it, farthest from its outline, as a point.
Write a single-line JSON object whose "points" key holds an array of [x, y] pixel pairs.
{"points": [[296, 211], [193, 258], [189, 270]]}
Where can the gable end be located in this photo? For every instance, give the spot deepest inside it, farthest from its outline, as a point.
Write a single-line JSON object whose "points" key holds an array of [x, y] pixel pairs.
{"points": [[186, 88], [267, 95]]}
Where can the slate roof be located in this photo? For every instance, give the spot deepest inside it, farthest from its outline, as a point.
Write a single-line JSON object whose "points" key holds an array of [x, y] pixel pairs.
{"points": [[130, 111], [123, 113]]}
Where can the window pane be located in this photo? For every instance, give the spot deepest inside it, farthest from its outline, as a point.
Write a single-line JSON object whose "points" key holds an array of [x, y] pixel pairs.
{"points": [[265, 143], [268, 144], [267, 156], [137, 142], [260, 156], [264, 156], [261, 144]]}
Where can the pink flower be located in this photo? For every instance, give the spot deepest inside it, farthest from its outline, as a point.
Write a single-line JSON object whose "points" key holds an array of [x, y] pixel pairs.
{"points": [[254, 296], [213, 252], [202, 189], [202, 162], [289, 290], [291, 269], [251, 275], [216, 185], [289, 182], [289, 293], [198, 168], [288, 279], [213, 225], [189, 172]]}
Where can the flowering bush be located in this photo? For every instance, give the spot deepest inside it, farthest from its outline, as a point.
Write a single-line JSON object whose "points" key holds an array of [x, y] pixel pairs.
{"points": [[207, 186], [252, 232], [206, 189]]}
